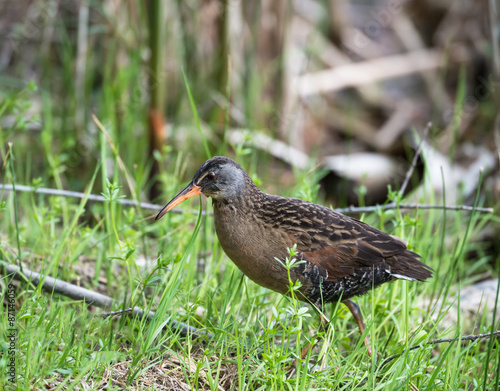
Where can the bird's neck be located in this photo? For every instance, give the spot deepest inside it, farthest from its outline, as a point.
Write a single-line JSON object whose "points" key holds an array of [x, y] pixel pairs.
{"points": [[245, 200]]}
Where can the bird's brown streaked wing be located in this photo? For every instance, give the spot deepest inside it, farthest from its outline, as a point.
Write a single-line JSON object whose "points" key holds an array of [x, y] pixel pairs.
{"points": [[403, 263], [351, 245], [337, 243]]}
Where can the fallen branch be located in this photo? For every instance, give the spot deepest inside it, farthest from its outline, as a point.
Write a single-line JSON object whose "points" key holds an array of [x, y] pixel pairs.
{"points": [[149, 206], [113, 313], [367, 72], [472, 337], [53, 285], [279, 149]]}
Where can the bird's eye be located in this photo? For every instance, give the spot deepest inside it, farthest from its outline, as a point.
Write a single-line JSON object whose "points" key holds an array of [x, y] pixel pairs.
{"points": [[211, 176]]}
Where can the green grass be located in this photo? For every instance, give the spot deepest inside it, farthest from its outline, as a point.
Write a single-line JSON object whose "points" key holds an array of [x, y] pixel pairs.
{"points": [[256, 332]]}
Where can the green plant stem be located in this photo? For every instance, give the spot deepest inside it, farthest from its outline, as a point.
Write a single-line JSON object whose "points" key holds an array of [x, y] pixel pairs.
{"points": [[195, 114], [16, 217]]}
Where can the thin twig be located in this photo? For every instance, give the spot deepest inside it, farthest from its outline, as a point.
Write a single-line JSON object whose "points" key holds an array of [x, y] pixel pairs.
{"points": [[368, 209], [415, 159], [472, 337], [76, 194], [149, 206], [74, 292], [367, 72]]}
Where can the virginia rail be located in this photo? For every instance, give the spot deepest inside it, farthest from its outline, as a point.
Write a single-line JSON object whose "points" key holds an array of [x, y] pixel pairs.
{"points": [[342, 257]]}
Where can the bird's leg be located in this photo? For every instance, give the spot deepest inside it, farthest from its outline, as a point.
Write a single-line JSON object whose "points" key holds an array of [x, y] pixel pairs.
{"points": [[356, 312]]}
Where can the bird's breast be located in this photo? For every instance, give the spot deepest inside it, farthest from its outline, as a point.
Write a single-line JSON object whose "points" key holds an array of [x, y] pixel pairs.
{"points": [[253, 246]]}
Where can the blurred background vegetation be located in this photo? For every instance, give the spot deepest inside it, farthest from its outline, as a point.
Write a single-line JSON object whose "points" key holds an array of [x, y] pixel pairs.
{"points": [[323, 100], [327, 77]]}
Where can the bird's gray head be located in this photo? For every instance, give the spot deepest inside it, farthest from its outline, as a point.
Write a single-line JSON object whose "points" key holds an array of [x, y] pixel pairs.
{"points": [[220, 178]]}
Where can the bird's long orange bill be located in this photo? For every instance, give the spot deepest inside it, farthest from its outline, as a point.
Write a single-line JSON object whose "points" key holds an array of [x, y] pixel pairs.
{"points": [[190, 191]]}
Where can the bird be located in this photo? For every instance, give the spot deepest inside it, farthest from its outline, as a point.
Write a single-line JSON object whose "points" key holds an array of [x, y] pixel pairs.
{"points": [[337, 257]]}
